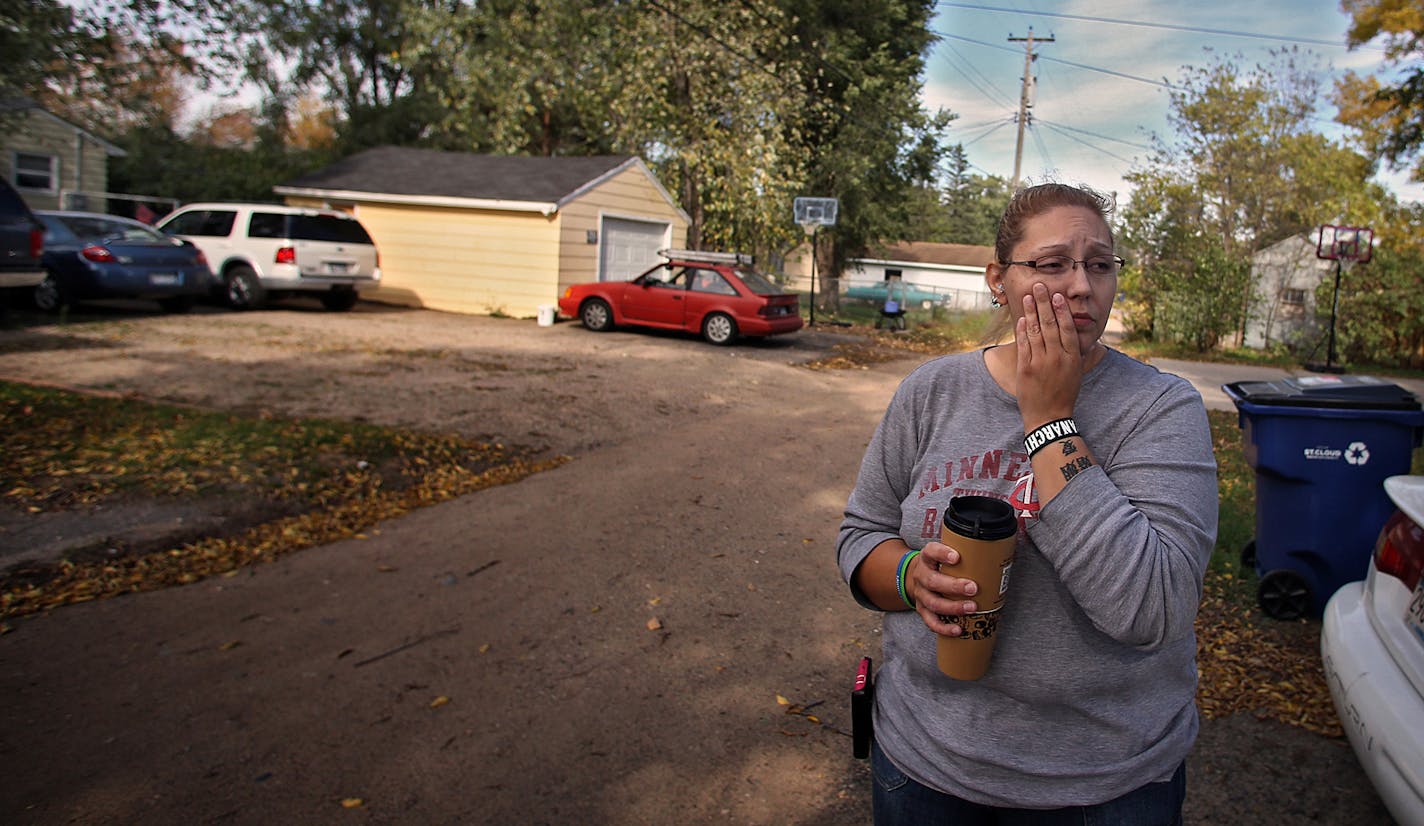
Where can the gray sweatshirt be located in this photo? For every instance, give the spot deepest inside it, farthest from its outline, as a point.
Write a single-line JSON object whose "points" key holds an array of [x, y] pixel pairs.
{"points": [[1091, 690]]}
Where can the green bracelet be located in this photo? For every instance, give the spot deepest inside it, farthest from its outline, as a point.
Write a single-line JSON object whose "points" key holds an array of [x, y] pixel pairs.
{"points": [[900, 577]]}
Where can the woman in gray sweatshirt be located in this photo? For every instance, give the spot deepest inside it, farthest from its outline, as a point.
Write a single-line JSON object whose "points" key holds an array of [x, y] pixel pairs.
{"points": [[1087, 711]]}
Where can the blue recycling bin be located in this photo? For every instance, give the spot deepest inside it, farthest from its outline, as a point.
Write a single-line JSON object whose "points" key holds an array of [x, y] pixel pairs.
{"points": [[1321, 448]]}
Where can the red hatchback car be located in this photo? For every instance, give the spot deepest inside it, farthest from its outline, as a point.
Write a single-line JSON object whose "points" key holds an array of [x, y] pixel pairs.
{"points": [[715, 294]]}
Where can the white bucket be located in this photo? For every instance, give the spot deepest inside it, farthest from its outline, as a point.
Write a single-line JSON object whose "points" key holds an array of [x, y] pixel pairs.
{"points": [[546, 315]]}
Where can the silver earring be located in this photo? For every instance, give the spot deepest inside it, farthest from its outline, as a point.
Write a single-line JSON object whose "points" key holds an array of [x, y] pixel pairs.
{"points": [[994, 300]]}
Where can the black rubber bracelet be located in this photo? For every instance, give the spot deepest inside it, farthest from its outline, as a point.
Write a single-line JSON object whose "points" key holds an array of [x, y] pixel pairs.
{"points": [[1042, 436]]}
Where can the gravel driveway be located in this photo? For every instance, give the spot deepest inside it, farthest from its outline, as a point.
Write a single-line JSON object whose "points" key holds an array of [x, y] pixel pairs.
{"points": [[653, 632]]}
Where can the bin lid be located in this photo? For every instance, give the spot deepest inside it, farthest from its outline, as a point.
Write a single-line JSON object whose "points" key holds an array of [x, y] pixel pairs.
{"points": [[1342, 391]]}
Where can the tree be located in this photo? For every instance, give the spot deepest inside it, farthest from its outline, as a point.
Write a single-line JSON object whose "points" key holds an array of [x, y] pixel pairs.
{"points": [[44, 42], [869, 141], [971, 204], [713, 103], [739, 107], [1389, 117], [1381, 315], [1244, 172]]}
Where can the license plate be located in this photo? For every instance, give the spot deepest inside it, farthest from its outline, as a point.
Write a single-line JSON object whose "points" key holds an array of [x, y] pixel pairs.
{"points": [[164, 279], [337, 267], [1414, 616]]}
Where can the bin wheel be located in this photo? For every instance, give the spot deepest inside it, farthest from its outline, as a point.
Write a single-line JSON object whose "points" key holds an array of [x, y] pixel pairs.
{"points": [[1283, 595], [1248, 554]]}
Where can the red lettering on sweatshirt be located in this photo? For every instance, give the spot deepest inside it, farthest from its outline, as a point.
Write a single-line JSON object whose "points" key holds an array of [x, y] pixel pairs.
{"points": [[1010, 465]]}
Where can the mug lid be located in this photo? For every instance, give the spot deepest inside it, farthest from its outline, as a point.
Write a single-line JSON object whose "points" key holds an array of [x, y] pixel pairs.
{"points": [[981, 517]]}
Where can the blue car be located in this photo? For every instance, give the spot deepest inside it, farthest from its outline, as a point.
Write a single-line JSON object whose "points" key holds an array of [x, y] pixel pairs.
{"points": [[88, 255], [906, 295]]}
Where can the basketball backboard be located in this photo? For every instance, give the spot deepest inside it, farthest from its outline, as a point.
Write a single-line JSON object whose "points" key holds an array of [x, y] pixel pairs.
{"points": [[1337, 243], [815, 212]]}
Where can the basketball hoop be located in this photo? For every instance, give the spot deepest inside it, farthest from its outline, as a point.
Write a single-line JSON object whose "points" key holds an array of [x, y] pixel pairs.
{"points": [[812, 214], [1339, 243]]}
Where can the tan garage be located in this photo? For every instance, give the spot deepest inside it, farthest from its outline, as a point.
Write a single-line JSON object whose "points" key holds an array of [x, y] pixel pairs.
{"points": [[489, 234]]}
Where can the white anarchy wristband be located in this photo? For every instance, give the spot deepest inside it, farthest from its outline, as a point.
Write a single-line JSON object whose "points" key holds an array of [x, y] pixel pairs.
{"points": [[1040, 437]]}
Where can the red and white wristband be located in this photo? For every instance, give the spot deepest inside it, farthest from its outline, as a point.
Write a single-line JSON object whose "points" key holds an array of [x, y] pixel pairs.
{"points": [[1040, 437]]}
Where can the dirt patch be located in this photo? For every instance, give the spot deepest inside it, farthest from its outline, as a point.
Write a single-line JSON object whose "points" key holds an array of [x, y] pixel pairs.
{"points": [[608, 642], [562, 391]]}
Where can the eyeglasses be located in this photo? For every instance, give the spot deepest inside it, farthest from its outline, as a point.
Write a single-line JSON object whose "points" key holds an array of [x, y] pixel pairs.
{"points": [[1052, 265]]}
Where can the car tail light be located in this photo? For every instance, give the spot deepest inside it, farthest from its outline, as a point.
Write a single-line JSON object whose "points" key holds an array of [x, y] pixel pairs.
{"points": [[36, 242], [286, 255], [1400, 550], [94, 252], [200, 258]]}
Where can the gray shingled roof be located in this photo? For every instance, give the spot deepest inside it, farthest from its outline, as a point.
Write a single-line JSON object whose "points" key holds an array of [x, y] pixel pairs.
{"points": [[924, 252], [396, 170]]}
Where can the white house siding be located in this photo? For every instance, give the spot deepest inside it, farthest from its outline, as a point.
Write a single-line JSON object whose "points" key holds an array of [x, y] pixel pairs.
{"points": [[961, 287], [1290, 265]]}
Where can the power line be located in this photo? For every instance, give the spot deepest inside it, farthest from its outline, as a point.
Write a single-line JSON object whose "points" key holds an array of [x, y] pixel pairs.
{"points": [[1061, 130], [1095, 135], [1149, 25], [1160, 83], [1042, 149], [988, 132], [1002, 98]]}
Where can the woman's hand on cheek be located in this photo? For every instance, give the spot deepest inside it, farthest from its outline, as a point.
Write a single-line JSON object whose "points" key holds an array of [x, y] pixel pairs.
{"points": [[1050, 365]]}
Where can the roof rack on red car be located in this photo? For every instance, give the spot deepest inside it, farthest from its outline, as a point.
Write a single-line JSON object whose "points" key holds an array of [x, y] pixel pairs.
{"points": [[740, 258]]}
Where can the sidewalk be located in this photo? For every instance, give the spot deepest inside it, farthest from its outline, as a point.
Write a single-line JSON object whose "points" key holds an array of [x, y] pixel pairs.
{"points": [[1208, 378]]}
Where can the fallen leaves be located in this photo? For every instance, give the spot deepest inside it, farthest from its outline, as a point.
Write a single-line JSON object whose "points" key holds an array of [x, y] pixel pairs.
{"points": [[1270, 668], [877, 346], [798, 710], [325, 480]]}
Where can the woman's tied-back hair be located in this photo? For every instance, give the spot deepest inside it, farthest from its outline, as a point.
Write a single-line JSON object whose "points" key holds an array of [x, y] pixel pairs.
{"points": [[1038, 199]]}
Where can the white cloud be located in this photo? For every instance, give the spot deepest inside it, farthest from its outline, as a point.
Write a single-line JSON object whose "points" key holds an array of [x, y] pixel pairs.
{"points": [[1096, 75]]}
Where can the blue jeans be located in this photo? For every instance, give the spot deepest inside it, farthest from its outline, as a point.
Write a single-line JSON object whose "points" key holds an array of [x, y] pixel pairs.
{"points": [[899, 801]]}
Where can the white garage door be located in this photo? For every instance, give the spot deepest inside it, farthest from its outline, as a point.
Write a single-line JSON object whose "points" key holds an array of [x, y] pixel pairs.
{"points": [[629, 248]]}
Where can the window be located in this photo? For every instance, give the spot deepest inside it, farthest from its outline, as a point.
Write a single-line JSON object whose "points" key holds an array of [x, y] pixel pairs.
{"points": [[1293, 298], [216, 223], [890, 273], [328, 228], [37, 173], [711, 281], [267, 225]]}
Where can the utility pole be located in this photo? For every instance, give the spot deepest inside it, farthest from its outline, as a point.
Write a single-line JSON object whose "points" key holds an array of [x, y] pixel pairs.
{"points": [[1025, 96]]}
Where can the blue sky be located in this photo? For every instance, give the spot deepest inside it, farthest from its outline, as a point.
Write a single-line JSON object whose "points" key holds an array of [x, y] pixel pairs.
{"points": [[1099, 97]]}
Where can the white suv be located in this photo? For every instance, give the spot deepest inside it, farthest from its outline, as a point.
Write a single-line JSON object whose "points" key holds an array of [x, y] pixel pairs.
{"points": [[259, 251]]}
